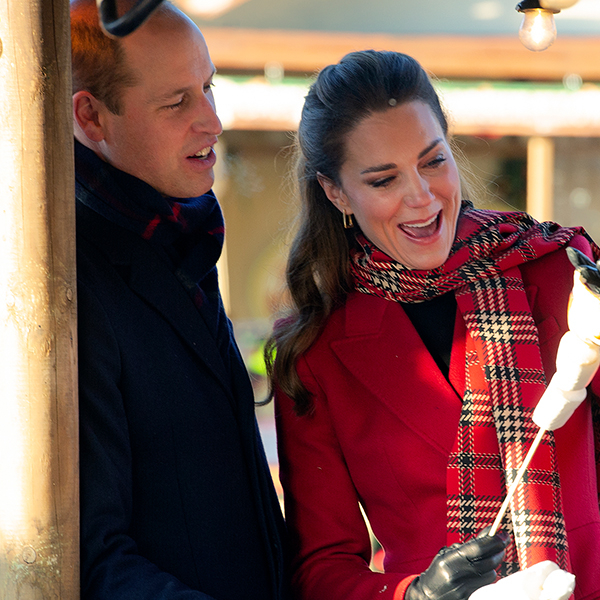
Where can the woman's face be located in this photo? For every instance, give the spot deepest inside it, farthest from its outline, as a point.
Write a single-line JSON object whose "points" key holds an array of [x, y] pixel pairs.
{"points": [[401, 183]]}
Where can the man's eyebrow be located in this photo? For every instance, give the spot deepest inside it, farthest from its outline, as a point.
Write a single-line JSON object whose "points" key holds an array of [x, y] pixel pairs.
{"points": [[387, 166], [169, 95]]}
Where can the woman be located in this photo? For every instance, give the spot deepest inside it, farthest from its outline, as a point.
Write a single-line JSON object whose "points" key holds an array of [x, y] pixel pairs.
{"points": [[420, 339]]}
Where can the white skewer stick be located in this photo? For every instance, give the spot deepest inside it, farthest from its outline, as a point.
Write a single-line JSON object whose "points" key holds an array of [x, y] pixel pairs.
{"points": [[517, 480]]}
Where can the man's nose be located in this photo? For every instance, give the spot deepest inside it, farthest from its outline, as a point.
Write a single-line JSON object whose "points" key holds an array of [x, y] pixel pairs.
{"points": [[207, 120]]}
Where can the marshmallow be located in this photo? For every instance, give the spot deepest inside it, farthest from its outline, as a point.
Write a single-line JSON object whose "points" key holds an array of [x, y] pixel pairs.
{"points": [[556, 407], [577, 360], [584, 312]]}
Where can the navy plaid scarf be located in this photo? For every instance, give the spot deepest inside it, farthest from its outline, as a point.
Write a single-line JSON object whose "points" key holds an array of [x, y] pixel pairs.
{"points": [[504, 376], [191, 230]]}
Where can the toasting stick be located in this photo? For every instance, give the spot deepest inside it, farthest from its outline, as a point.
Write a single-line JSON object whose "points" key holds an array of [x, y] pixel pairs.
{"points": [[577, 361]]}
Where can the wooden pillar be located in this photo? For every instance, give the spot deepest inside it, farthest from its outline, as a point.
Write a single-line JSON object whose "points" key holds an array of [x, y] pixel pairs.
{"points": [[220, 188], [540, 178], [39, 507]]}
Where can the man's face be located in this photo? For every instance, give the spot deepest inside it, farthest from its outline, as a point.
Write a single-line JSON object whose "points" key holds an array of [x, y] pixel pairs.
{"points": [[168, 125]]}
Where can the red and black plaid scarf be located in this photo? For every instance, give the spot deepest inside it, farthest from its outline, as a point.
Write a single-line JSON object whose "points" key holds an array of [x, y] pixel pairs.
{"points": [[504, 376]]}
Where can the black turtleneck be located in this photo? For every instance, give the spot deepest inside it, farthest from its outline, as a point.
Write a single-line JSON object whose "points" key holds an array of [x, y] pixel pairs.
{"points": [[434, 322]]}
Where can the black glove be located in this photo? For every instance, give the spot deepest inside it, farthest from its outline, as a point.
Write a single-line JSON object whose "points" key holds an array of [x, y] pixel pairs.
{"points": [[456, 572]]}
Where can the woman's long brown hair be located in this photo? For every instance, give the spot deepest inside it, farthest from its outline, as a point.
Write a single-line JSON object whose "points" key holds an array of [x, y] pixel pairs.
{"points": [[318, 268]]}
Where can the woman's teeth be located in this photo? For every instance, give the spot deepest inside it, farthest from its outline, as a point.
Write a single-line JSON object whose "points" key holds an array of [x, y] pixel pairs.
{"points": [[421, 230], [418, 225]]}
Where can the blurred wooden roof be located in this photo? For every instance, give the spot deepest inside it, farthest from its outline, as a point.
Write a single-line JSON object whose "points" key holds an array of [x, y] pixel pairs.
{"points": [[475, 39], [445, 56]]}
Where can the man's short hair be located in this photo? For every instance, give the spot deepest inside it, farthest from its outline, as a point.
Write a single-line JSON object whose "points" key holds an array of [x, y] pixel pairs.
{"points": [[99, 61]]}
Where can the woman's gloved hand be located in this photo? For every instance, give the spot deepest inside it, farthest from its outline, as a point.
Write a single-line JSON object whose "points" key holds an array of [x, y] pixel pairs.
{"points": [[456, 572]]}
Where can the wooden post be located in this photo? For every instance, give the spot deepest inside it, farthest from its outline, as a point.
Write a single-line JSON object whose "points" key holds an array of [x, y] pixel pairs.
{"points": [[39, 505], [540, 178]]}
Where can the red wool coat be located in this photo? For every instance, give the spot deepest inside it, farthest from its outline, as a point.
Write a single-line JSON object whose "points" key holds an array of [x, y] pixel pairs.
{"points": [[384, 423]]}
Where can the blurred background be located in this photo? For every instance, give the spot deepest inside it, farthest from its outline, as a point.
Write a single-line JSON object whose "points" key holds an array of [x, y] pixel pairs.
{"points": [[528, 123]]}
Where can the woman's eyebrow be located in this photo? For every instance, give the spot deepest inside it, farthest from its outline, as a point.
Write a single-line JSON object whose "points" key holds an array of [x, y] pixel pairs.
{"points": [[377, 168], [385, 167], [430, 147]]}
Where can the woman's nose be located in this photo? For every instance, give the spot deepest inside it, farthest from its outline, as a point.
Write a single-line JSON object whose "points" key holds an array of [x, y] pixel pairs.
{"points": [[417, 192]]}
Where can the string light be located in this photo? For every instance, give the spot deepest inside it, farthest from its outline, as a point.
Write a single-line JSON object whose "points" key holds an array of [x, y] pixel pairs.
{"points": [[538, 30], [557, 4]]}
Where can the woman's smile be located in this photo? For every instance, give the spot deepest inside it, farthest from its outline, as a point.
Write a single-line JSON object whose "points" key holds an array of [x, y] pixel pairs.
{"points": [[422, 230]]}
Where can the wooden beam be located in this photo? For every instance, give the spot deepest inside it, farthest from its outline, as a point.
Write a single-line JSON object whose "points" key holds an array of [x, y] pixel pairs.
{"points": [[39, 482], [457, 57]]}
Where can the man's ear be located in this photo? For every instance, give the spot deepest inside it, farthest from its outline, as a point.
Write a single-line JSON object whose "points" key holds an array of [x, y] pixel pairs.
{"points": [[335, 194], [86, 116]]}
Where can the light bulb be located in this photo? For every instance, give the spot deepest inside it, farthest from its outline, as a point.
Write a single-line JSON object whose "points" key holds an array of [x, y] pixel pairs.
{"points": [[537, 31], [557, 4]]}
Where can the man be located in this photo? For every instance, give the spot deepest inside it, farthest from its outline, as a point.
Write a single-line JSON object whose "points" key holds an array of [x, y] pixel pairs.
{"points": [[176, 497]]}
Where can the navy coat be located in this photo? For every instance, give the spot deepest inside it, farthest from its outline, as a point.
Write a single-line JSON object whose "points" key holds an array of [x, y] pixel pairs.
{"points": [[176, 496]]}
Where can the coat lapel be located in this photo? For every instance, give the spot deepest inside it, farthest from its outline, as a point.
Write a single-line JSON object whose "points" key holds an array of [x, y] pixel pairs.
{"points": [[384, 352], [172, 301]]}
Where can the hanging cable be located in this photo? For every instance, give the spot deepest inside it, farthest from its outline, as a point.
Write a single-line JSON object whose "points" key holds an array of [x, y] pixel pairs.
{"points": [[121, 26]]}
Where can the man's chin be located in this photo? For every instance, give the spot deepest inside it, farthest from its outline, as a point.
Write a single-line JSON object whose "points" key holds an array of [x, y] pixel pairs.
{"points": [[196, 188], [185, 191]]}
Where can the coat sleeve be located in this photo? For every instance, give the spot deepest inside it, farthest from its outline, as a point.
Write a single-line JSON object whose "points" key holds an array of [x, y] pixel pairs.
{"points": [[111, 568], [330, 541]]}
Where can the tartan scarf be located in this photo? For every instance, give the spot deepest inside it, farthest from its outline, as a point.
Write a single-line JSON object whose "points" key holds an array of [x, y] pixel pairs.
{"points": [[504, 376], [190, 230]]}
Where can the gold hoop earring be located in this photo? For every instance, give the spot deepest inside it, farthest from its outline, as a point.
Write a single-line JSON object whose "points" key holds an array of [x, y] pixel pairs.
{"points": [[348, 220]]}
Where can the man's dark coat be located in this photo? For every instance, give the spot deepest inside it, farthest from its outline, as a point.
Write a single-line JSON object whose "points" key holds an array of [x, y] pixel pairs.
{"points": [[176, 497]]}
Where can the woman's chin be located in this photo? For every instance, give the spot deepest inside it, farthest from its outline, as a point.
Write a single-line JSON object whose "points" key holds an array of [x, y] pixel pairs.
{"points": [[425, 261]]}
